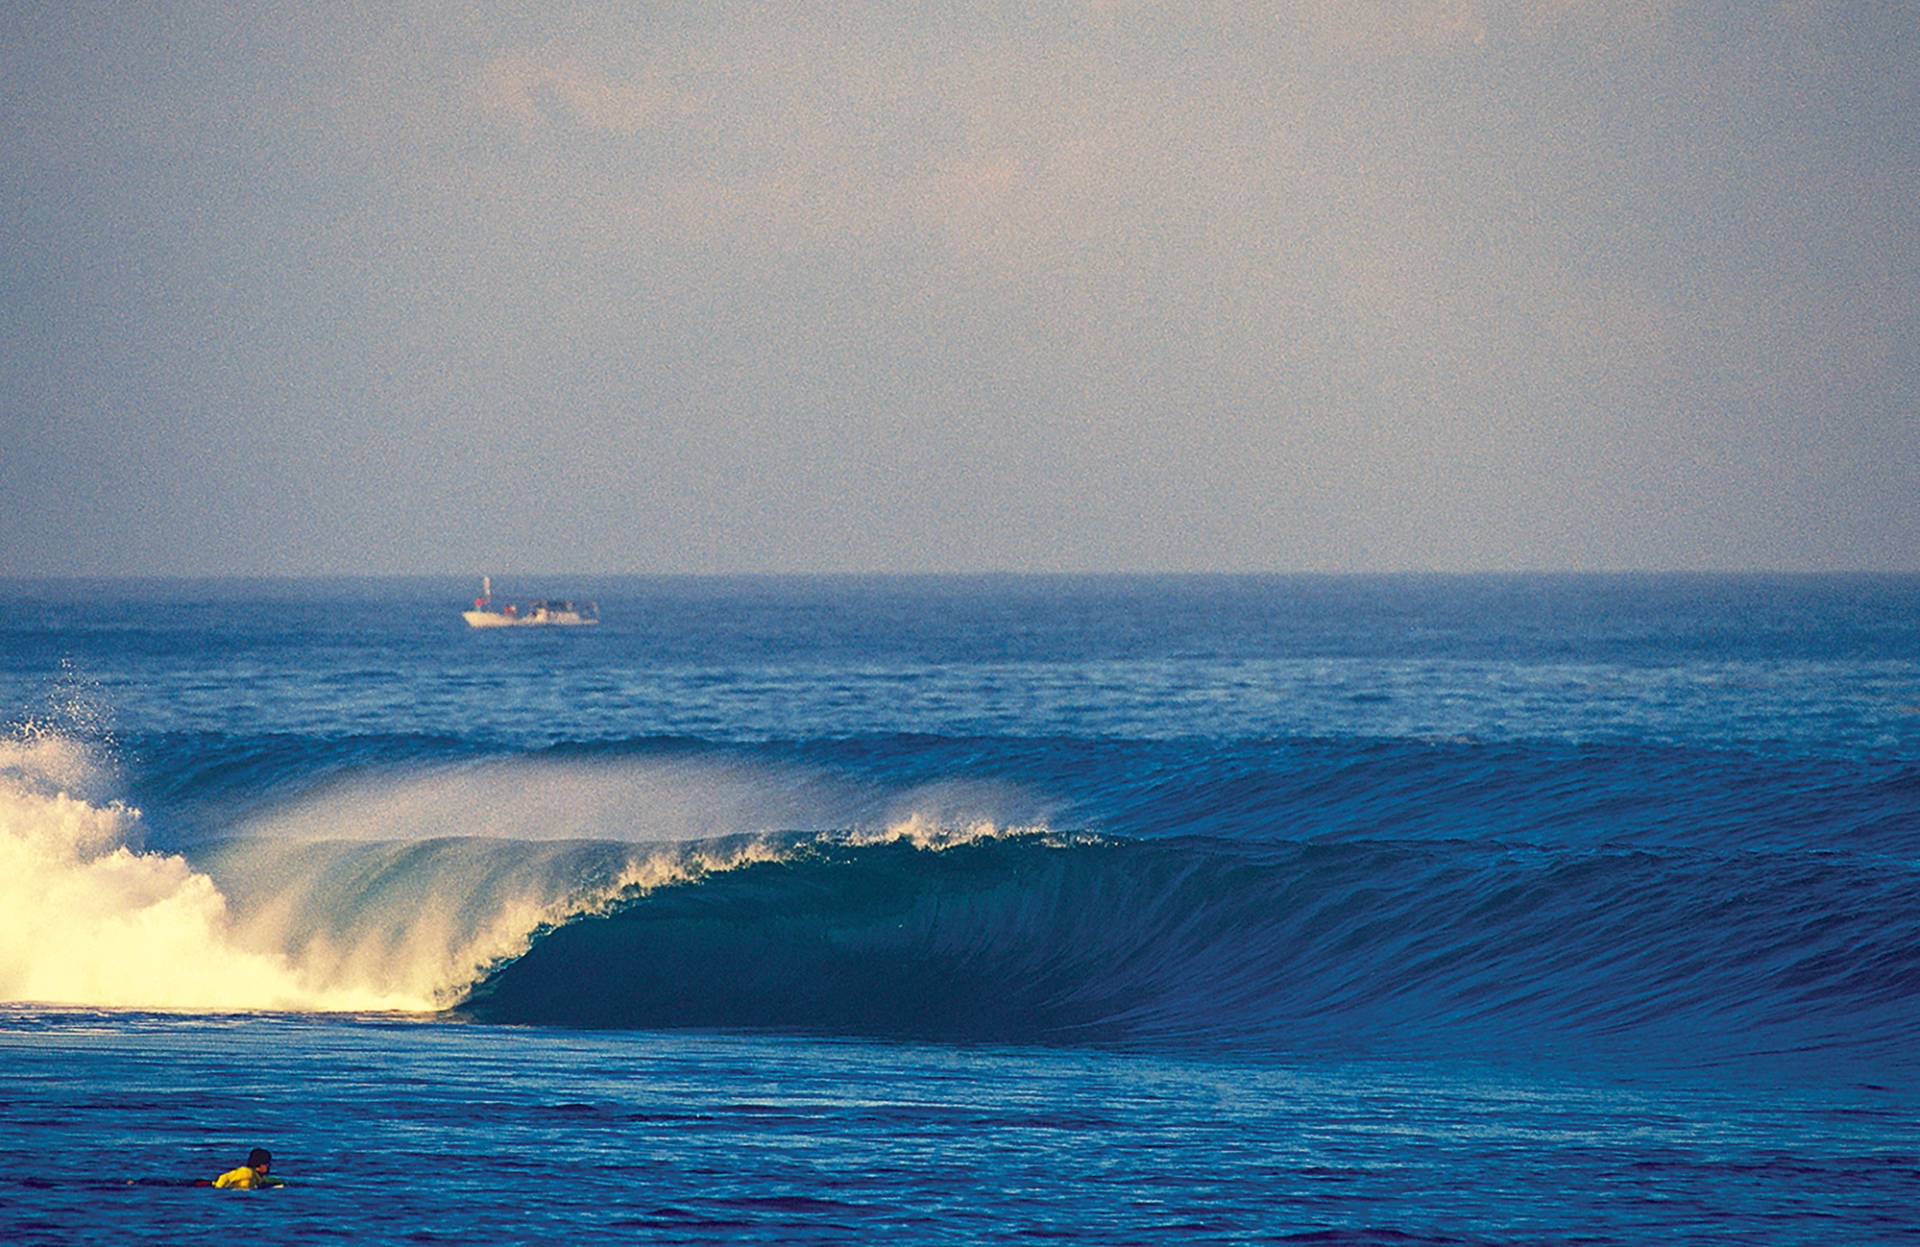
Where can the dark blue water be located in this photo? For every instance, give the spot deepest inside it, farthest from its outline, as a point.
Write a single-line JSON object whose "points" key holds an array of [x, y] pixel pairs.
{"points": [[1404, 909]]}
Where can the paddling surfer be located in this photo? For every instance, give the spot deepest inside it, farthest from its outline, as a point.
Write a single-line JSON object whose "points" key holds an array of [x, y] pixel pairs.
{"points": [[251, 1176]]}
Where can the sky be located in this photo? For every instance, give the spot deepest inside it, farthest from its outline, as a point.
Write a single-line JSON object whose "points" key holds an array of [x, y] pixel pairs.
{"points": [[1330, 285]]}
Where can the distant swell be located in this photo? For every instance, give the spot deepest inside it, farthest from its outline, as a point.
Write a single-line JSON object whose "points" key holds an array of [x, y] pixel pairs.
{"points": [[1362, 946]]}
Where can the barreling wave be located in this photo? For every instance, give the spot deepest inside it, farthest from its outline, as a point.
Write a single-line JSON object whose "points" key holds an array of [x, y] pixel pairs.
{"points": [[1049, 939], [786, 887]]}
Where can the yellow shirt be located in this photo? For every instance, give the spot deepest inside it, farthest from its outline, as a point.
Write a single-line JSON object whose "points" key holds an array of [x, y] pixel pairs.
{"points": [[242, 1179]]}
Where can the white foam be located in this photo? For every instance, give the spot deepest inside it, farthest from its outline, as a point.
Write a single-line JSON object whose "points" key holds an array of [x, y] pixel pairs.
{"points": [[40, 758], [935, 835], [85, 919]]}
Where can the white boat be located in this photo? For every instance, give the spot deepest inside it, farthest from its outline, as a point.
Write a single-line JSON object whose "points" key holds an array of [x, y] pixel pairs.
{"points": [[536, 614]]}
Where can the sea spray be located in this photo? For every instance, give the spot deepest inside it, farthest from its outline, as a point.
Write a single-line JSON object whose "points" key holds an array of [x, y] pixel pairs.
{"points": [[667, 792]]}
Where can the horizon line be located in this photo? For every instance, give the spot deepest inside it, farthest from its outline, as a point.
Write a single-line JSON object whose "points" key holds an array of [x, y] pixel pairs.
{"points": [[979, 574]]}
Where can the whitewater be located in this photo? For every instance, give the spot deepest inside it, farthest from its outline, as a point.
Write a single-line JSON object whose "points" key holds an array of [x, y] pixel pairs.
{"points": [[1409, 909]]}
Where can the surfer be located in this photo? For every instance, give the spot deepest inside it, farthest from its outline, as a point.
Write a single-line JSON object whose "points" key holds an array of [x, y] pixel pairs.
{"points": [[251, 1176]]}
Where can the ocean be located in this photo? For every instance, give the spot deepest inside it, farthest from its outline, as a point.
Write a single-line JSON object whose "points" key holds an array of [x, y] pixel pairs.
{"points": [[1323, 910]]}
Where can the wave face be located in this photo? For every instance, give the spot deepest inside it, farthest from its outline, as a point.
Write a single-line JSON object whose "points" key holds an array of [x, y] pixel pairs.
{"points": [[1679, 819], [1372, 946]]}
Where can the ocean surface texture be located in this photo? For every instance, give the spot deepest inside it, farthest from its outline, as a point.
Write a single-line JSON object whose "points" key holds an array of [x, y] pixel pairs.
{"points": [[1396, 910]]}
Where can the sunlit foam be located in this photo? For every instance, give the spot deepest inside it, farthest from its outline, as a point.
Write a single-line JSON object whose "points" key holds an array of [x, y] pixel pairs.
{"points": [[36, 757], [933, 834], [85, 919]]}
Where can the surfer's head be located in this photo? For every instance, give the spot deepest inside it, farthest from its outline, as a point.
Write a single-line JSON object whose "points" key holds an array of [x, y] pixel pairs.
{"points": [[260, 1158]]}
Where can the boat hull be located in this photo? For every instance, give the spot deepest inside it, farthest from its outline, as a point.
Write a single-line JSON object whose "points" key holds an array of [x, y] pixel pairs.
{"points": [[532, 619]]}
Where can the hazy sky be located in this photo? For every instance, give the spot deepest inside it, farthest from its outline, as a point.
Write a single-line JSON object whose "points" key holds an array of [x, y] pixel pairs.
{"points": [[1325, 285]]}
